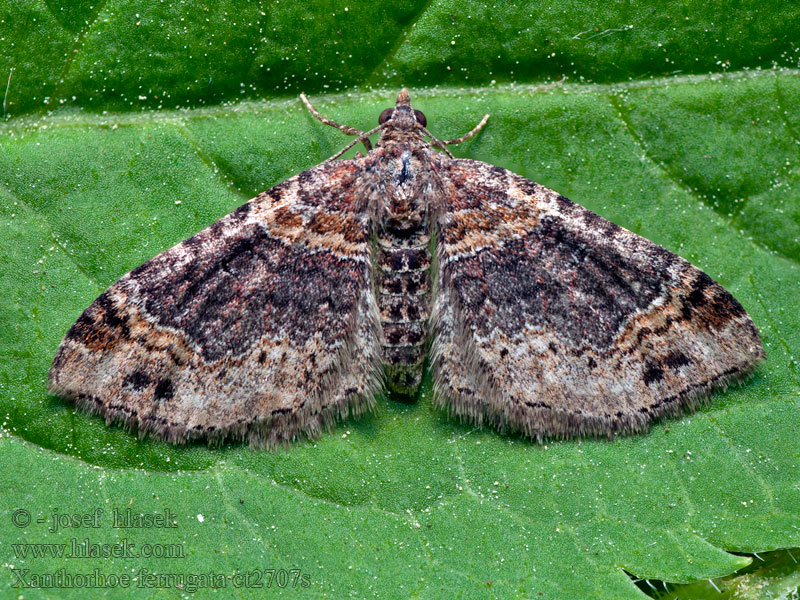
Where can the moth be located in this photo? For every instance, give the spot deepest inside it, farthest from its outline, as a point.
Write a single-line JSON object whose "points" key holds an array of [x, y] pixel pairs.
{"points": [[299, 307]]}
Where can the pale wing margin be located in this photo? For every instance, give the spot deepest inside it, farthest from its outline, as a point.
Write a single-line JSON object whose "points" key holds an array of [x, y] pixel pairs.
{"points": [[552, 321], [261, 327]]}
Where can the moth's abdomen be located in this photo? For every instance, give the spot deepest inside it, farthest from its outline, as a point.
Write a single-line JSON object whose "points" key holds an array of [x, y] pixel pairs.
{"points": [[403, 290]]}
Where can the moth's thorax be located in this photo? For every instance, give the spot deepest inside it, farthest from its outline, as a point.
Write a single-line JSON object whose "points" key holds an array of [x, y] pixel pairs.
{"points": [[403, 260], [406, 176], [410, 138]]}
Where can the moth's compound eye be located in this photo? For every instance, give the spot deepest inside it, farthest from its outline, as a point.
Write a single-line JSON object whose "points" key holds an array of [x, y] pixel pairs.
{"points": [[420, 118], [385, 116]]}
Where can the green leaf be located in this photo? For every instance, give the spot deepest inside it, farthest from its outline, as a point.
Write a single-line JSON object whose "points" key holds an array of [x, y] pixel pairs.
{"points": [[403, 503], [772, 576], [129, 55]]}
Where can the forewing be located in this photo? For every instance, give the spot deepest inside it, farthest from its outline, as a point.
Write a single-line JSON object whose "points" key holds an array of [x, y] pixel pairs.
{"points": [[552, 321], [261, 327]]}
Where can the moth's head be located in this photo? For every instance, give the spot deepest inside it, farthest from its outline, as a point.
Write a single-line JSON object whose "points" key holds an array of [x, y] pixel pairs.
{"points": [[402, 116]]}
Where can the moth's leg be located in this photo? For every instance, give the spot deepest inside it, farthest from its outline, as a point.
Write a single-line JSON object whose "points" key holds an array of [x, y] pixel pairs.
{"points": [[443, 144], [343, 128], [364, 136], [436, 142], [466, 136]]}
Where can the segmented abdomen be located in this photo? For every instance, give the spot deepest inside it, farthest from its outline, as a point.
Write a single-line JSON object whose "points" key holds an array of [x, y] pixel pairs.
{"points": [[403, 289]]}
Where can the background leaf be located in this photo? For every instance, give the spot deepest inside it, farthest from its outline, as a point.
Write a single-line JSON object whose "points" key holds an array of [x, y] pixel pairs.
{"points": [[403, 503], [772, 576], [128, 54]]}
